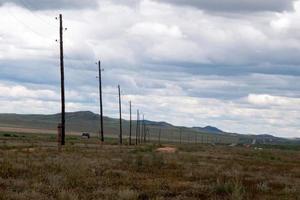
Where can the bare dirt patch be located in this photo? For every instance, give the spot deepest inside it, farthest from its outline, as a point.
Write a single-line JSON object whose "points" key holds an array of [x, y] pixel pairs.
{"points": [[166, 150]]}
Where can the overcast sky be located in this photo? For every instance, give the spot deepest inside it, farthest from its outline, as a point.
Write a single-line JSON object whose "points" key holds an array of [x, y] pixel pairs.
{"points": [[233, 64]]}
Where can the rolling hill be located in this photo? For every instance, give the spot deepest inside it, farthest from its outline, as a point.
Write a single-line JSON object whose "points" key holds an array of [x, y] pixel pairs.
{"points": [[86, 121]]}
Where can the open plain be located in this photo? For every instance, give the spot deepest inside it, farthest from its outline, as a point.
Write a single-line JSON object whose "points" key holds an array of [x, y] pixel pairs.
{"points": [[32, 167]]}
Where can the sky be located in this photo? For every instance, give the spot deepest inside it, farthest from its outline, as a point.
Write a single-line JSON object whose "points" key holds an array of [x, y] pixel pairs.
{"points": [[230, 64]]}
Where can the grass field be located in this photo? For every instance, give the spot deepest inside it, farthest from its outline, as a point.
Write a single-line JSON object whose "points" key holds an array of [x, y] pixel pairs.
{"points": [[31, 167]]}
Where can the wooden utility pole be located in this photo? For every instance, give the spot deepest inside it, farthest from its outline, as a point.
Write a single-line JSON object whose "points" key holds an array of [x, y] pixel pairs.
{"points": [[141, 125], [120, 110], [62, 76], [149, 135], [180, 135], [100, 100], [159, 135], [130, 124], [140, 133], [144, 129], [137, 128]]}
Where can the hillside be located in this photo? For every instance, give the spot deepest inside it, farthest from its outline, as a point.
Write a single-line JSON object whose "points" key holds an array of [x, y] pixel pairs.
{"points": [[209, 129], [86, 121]]}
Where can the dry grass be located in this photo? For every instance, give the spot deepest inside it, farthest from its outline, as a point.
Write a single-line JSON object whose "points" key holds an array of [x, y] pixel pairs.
{"points": [[89, 171]]}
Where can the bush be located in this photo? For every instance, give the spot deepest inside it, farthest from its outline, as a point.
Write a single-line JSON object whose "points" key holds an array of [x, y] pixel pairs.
{"points": [[6, 169], [233, 189]]}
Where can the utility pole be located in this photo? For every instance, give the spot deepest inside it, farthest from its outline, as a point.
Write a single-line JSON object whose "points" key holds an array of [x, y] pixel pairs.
{"points": [[130, 125], [140, 133], [180, 135], [62, 76], [137, 128], [120, 110], [144, 129], [100, 99], [149, 135], [159, 134], [141, 125]]}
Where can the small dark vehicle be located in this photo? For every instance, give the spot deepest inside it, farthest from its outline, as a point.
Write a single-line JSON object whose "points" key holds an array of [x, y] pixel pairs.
{"points": [[85, 136]]}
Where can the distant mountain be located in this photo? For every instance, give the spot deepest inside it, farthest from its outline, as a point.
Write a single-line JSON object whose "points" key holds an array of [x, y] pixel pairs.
{"points": [[82, 121], [75, 121], [209, 129], [86, 121], [161, 124], [266, 139]]}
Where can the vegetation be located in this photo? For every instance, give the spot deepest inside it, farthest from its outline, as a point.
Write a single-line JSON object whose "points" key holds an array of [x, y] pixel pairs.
{"points": [[85, 121], [31, 167]]}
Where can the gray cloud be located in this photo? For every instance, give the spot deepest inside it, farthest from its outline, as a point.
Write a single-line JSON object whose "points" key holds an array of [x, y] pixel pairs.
{"points": [[52, 4], [236, 5], [226, 73], [211, 5]]}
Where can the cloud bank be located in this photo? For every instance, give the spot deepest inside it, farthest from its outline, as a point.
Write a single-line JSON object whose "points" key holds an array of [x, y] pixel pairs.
{"points": [[237, 6], [186, 64]]}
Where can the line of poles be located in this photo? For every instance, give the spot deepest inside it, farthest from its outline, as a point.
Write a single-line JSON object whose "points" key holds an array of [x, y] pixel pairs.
{"points": [[140, 137], [142, 133]]}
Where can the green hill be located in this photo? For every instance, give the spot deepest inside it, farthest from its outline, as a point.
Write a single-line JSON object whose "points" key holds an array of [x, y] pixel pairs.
{"points": [[86, 121]]}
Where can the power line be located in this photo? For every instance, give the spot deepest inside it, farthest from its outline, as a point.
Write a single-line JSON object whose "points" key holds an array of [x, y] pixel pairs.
{"points": [[30, 8], [27, 26]]}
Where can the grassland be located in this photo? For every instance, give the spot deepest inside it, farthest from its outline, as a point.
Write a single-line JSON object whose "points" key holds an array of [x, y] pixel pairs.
{"points": [[31, 167]]}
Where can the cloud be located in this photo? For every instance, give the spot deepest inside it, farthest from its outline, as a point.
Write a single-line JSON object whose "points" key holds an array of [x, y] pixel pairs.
{"points": [[176, 63], [270, 100], [52, 4], [236, 6], [150, 28]]}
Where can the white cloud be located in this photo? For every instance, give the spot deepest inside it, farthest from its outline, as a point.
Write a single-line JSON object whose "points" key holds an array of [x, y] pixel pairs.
{"points": [[18, 91], [179, 64], [269, 100]]}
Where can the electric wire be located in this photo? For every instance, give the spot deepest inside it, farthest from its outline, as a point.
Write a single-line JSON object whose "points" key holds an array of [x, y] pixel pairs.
{"points": [[26, 25], [37, 16]]}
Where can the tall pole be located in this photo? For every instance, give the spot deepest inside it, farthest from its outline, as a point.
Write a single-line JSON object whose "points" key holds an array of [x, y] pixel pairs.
{"points": [[62, 76], [137, 128], [100, 99], [120, 110], [149, 135], [140, 128], [144, 129], [130, 125], [180, 135], [159, 134]]}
